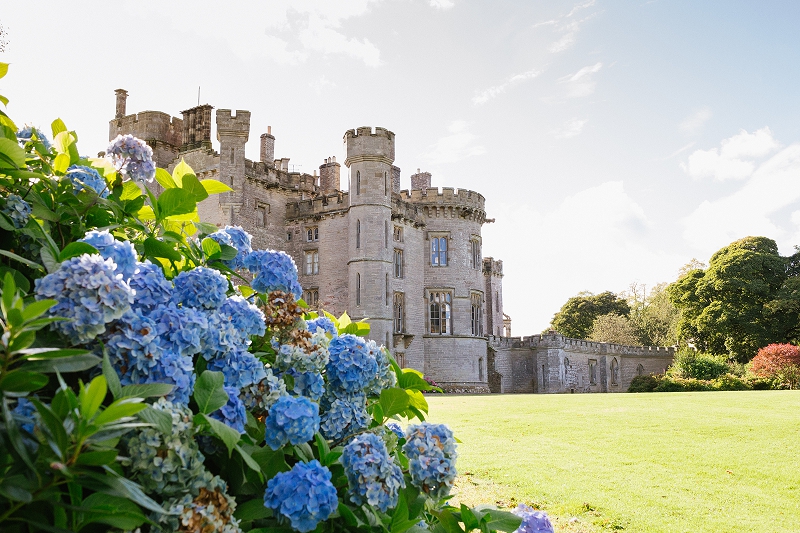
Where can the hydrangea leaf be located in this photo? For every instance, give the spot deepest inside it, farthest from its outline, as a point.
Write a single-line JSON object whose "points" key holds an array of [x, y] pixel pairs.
{"points": [[111, 377], [249, 461], [57, 126], [161, 420], [417, 400], [180, 170], [209, 392], [411, 379], [115, 511], [502, 521], [176, 202], [394, 401], [74, 249], [156, 248], [63, 141], [271, 462], [229, 436], [13, 156], [192, 185], [211, 248], [73, 363], [3, 69], [252, 510], [22, 381], [130, 191], [164, 179], [92, 395], [214, 186], [146, 390]]}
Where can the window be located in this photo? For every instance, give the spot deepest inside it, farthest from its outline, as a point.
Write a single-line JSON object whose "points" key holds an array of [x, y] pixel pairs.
{"points": [[497, 301], [614, 371], [386, 234], [477, 314], [480, 368], [288, 235], [398, 263], [398, 234], [358, 234], [639, 370], [592, 371], [385, 183], [438, 251], [439, 317], [231, 157], [399, 312], [386, 293], [311, 297], [262, 210], [475, 244], [312, 263], [312, 234], [358, 182], [358, 290]]}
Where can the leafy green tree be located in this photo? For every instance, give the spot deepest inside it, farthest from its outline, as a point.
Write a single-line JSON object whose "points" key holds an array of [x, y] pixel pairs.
{"points": [[653, 315], [616, 329], [745, 299], [576, 317]]}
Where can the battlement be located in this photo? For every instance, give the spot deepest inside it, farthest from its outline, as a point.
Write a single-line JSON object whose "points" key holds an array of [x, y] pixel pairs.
{"points": [[149, 126], [233, 124], [364, 144], [270, 176], [321, 205], [492, 267], [447, 196], [406, 211], [556, 340]]}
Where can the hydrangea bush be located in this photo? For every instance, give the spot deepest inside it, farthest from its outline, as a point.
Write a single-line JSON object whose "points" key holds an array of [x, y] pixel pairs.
{"points": [[146, 387]]}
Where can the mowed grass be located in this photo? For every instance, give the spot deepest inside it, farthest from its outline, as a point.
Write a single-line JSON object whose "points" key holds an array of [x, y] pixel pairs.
{"points": [[658, 462]]}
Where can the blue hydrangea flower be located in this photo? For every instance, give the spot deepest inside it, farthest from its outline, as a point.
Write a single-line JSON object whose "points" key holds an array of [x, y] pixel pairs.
{"points": [[18, 210], [90, 294], [232, 413], [291, 419], [200, 287], [132, 158], [259, 397], [431, 452], [291, 356], [385, 377], [274, 271], [27, 133], [179, 329], [245, 317], [26, 414], [533, 521], [150, 286], [324, 323], [238, 238], [122, 253], [166, 465], [308, 384], [396, 429], [240, 368], [351, 367], [86, 177], [343, 416], [371, 474], [304, 496]]}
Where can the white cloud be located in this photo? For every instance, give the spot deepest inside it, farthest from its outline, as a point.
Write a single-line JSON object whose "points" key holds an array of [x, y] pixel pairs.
{"points": [[571, 128], [753, 209], [442, 4], [458, 145], [581, 83], [495, 90], [735, 157], [578, 7], [322, 84], [695, 122], [319, 35], [570, 32]]}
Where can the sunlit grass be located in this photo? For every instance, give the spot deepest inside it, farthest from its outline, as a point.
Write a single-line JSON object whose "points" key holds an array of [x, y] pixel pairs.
{"points": [[669, 462]]}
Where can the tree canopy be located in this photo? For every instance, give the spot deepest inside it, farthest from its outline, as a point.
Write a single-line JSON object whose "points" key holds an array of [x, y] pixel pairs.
{"points": [[576, 317], [748, 297]]}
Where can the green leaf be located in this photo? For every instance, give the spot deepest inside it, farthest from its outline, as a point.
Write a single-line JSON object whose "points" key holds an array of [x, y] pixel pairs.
{"points": [[74, 249], [54, 427], [4, 100], [155, 248], [229, 436], [73, 363], [394, 401], [502, 521], [111, 377], [228, 252], [252, 510], [161, 420], [36, 309], [57, 126], [412, 379], [343, 321], [12, 488], [49, 259], [121, 408], [63, 141], [347, 514], [271, 462], [214, 186], [15, 437], [322, 444], [209, 393], [249, 461], [100, 458], [9, 293], [130, 190], [22, 381], [15, 257], [61, 163], [147, 390], [14, 154], [180, 170], [164, 179], [176, 202], [304, 452], [192, 185], [417, 400], [211, 248], [119, 486], [469, 519], [3, 69], [91, 396], [114, 511]]}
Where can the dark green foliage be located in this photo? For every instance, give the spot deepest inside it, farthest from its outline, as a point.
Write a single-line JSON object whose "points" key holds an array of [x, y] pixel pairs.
{"points": [[748, 297], [643, 384], [576, 317], [697, 365]]}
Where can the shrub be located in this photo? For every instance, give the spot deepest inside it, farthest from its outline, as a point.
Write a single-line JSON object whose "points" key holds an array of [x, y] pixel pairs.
{"points": [[676, 384], [730, 382], [644, 383], [691, 364], [780, 363]]}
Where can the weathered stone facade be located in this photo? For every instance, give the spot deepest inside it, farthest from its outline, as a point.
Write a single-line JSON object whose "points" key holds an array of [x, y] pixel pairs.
{"points": [[408, 261]]}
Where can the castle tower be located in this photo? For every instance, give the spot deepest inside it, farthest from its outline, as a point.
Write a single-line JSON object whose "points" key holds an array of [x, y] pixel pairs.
{"points": [[122, 97], [196, 127], [496, 320], [232, 134], [369, 157], [329, 175]]}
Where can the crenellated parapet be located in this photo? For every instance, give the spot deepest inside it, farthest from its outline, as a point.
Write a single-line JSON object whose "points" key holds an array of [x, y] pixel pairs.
{"points": [[558, 341], [407, 212], [151, 126], [318, 207], [464, 203], [492, 267], [233, 125], [364, 144]]}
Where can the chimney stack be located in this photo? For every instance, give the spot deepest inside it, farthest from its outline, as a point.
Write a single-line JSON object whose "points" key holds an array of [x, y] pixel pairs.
{"points": [[421, 180], [122, 97], [268, 148], [395, 179], [329, 175]]}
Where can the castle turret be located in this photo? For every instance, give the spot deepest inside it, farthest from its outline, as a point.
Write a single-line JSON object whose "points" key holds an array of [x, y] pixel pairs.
{"points": [[233, 132], [369, 157], [493, 278], [329, 175]]}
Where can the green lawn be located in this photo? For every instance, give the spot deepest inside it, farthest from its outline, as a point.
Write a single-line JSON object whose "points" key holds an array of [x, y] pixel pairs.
{"points": [[658, 462]]}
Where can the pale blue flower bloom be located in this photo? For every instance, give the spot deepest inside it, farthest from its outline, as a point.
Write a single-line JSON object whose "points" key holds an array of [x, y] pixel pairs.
{"points": [[343, 416], [371, 474], [238, 238], [291, 419], [150, 286], [274, 271], [351, 367], [86, 177], [132, 158], [26, 135], [304, 496], [122, 253], [431, 452], [200, 287], [533, 521], [18, 210], [232, 413]]}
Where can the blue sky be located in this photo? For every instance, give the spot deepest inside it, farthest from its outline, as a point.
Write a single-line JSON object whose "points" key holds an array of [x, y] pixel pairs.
{"points": [[613, 141]]}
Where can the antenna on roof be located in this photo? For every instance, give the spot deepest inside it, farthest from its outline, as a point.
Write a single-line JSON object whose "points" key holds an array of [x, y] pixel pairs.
{"points": [[198, 95]]}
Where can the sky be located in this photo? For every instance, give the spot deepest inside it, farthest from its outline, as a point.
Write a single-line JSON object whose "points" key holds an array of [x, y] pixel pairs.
{"points": [[613, 141]]}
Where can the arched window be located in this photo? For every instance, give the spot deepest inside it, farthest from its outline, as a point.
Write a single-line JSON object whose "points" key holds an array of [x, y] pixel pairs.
{"points": [[231, 156], [385, 183], [358, 290], [614, 371], [386, 294], [399, 312], [358, 182], [358, 234], [480, 368], [640, 370], [440, 312], [386, 234]]}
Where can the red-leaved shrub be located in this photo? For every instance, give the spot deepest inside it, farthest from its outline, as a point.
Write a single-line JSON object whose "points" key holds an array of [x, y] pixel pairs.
{"points": [[780, 362]]}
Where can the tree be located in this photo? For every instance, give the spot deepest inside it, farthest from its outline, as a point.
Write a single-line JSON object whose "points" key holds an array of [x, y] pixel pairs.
{"points": [[745, 299], [653, 315], [779, 362], [616, 329], [577, 315]]}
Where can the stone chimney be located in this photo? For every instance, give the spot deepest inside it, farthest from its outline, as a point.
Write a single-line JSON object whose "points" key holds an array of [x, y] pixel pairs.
{"points": [[197, 127], [329, 175], [122, 98], [268, 148], [421, 180], [395, 179]]}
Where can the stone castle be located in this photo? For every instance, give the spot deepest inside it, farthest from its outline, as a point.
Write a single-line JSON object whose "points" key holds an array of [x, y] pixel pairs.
{"points": [[409, 261]]}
